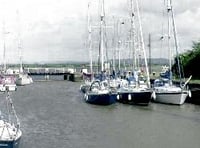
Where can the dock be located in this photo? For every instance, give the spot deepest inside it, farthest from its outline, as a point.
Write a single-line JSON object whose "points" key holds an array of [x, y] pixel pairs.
{"points": [[69, 74]]}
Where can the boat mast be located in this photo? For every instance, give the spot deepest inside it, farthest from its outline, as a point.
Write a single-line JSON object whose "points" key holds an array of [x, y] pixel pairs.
{"points": [[4, 48], [114, 43], [176, 42], [169, 8], [149, 45], [19, 43], [142, 44], [102, 16], [90, 38], [119, 42], [132, 35]]}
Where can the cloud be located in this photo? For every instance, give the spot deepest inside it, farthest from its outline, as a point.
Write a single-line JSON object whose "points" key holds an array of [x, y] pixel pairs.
{"points": [[57, 29]]}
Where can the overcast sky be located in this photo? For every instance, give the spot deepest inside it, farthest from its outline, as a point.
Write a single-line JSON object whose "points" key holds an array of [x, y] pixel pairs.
{"points": [[55, 30]]}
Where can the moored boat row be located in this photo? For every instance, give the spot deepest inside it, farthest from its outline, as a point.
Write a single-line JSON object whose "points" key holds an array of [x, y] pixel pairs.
{"points": [[102, 92], [109, 90], [138, 90]]}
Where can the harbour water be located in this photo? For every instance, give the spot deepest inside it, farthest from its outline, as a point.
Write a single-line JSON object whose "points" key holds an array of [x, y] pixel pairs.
{"points": [[53, 114]]}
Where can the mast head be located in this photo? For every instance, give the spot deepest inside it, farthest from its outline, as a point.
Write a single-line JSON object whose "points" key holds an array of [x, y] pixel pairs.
{"points": [[169, 5], [102, 10]]}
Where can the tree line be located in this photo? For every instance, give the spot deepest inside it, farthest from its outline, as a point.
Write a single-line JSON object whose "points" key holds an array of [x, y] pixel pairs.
{"points": [[190, 62]]}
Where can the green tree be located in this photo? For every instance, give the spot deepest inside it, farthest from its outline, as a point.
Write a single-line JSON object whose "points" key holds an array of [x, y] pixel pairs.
{"points": [[190, 62]]}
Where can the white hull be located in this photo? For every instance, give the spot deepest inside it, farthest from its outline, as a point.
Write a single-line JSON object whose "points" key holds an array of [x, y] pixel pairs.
{"points": [[170, 95], [2, 88], [11, 87], [171, 98], [9, 132], [24, 80]]}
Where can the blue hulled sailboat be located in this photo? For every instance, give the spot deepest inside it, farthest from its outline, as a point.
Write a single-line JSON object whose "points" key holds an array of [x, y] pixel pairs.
{"points": [[99, 91], [10, 133], [138, 90]]}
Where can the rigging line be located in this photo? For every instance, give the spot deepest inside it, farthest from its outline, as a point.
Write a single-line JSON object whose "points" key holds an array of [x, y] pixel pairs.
{"points": [[12, 107], [19, 41], [113, 43], [99, 57], [168, 9], [2, 130], [89, 37], [142, 42], [129, 47], [7, 107], [6, 125], [176, 42], [105, 32], [132, 35], [162, 29], [106, 41], [102, 35]]}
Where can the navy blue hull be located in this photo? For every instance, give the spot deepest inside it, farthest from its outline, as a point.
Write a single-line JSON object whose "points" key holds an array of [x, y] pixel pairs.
{"points": [[101, 99], [140, 98], [10, 144]]}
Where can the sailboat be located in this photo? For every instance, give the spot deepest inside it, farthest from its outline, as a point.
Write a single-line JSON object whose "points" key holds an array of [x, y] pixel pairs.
{"points": [[138, 91], [10, 133], [88, 77], [22, 78], [7, 81], [7, 78], [166, 91], [99, 92]]}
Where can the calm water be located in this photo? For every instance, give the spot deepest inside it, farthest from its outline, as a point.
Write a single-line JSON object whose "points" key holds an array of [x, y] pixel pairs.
{"points": [[54, 115]]}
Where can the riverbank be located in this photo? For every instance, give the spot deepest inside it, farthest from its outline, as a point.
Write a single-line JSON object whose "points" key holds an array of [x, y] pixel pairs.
{"points": [[195, 91]]}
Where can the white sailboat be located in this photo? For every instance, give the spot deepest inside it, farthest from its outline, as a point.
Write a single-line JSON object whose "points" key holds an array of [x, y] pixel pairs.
{"points": [[88, 77], [165, 90], [7, 78], [10, 133], [22, 78]]}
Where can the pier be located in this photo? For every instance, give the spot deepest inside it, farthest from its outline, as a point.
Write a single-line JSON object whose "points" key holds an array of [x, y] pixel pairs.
{"points": [[49, 71], [69, 74]]}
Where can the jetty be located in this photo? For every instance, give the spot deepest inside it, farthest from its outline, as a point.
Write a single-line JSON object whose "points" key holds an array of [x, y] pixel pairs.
{"points": [[70, 74]]}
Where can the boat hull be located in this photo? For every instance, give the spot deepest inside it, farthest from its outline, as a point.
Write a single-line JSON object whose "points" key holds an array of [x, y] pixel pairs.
{"points": [[2, 88], [11, 87], [100, 99], [21, 82], [137, 97], [171, 98], [10, 144], [23, 79]]}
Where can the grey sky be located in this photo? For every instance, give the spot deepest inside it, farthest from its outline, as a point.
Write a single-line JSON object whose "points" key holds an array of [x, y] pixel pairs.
{"points": [[55, 30]]}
